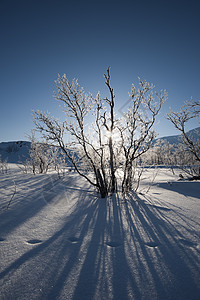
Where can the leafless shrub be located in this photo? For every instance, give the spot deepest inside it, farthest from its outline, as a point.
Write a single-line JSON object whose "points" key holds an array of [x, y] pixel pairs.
{"points": [[110, 143]]}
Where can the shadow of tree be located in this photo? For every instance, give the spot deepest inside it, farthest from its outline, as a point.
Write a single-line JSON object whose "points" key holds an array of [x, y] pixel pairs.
{"points": [[109, 249], [186, 188], [173, 268], [33, 194]]}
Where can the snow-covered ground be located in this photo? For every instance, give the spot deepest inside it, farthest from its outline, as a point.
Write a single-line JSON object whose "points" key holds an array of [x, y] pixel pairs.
{"points": [[58, 240]]}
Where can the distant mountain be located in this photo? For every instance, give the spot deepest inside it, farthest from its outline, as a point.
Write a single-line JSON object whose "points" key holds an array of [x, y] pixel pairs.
{"points": [[14, 152], [194, 134]]}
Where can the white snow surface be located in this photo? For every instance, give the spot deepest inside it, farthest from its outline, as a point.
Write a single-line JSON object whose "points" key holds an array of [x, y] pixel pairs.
{"points": [[59, 240]]}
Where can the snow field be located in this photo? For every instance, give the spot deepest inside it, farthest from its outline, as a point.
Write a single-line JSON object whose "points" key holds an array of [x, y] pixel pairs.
{"points": [[59, 240]]}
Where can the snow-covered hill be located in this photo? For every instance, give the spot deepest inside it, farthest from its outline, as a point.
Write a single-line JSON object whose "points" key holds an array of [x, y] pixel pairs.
{"points": [[175, 139], [15, 152]]}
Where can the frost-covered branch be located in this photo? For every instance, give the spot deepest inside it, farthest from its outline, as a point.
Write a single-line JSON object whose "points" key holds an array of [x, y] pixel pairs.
{"points": [[189, 111], [93, 139], [138, 134]]}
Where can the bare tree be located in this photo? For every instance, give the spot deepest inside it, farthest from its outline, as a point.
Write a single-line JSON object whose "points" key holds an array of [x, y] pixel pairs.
{"points": [[3, 165], [189, 111], [25, 166], [137, 134], [97, 151], [40, 156], [57, 160]]}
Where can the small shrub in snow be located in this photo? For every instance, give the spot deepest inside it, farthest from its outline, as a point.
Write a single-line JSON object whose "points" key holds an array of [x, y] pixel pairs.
{"points": [[188, 152], [3, 166], [110, 143]]}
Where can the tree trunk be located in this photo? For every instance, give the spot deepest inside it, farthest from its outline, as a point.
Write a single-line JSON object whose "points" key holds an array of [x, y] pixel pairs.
{"points": [[101, 185], [128, 177], [113, 178]]}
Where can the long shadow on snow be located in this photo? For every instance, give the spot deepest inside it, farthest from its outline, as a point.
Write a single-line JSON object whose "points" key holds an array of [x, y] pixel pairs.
{"points": [[122, 250], [165, 256], [61, 261], [186, 188], [103, 224], [106, 273], [31, 202]]}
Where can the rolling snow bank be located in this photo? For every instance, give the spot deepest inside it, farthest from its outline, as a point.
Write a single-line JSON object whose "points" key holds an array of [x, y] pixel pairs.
{"points": [[59, 240]]}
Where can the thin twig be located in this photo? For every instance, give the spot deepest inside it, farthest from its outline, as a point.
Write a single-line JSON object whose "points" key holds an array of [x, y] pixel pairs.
{"points": [[12, 196]]}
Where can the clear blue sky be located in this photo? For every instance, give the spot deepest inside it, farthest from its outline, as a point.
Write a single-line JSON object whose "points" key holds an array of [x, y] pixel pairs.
{"points": [[156, 40]]}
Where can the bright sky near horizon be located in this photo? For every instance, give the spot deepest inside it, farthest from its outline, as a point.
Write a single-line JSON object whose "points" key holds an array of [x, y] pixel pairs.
{"points": [[154, 40]]}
